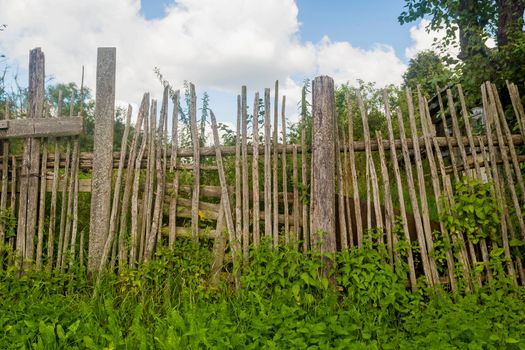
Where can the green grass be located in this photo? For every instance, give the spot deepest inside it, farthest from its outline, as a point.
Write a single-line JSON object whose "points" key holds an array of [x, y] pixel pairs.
{"points": [[283, 303]]}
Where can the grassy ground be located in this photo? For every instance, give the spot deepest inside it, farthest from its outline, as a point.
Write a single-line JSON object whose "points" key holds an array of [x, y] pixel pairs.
{"points": [[283, 303]]}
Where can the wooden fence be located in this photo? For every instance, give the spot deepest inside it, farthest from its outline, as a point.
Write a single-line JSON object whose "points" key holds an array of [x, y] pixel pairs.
{"points": [[331, 192]]}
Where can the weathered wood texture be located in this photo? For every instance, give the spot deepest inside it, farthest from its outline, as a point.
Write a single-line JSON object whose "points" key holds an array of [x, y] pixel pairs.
{"points": [[102, 155], [46, 127], [323, 165]]}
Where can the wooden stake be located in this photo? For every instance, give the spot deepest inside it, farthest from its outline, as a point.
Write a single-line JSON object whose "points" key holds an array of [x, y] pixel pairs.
{"points": [[267, 168], [447, 135], [103, 155], [255, 171], [275, 178], [245, 178], [284, 171], [173, 165], [389, 208], [224, 194], [423, 110], [116, 197], [196, 169], [399, 183], [353, 172], [238, 176], [343, 235], [422, 190], [295, 175]]}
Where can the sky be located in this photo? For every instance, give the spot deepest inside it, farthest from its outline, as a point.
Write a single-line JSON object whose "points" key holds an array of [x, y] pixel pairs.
{"points": [[219, 45]]}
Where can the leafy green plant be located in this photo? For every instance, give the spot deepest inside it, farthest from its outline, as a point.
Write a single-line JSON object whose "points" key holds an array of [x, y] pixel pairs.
{"points": [[475, 212]]}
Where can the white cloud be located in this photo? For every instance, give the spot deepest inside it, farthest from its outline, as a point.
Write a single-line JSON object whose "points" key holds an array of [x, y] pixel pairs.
{"points": [[423, 39], [217, 44], [344, 63]]}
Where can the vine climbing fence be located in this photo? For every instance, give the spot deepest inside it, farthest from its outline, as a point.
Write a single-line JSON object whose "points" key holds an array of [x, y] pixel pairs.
{"points": [[332, 188]]}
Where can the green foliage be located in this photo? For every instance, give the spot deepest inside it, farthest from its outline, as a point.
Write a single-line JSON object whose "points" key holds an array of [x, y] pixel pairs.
{"points": [[468, 24], [475, 212], [284, 302], [427, 70]]}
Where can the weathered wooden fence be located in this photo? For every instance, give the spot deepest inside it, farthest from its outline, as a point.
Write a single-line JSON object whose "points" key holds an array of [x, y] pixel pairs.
{"points": [[331, 192]]}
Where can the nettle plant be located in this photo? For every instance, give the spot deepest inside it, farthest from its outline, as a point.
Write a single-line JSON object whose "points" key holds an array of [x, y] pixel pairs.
{"points": [[475, 212]]}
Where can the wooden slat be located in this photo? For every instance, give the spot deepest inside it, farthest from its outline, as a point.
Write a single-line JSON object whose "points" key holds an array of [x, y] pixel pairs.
{"points": [[103, 151], [255, 171], [196, 160], [267, 168], [45, 127], [353, 172], [423, 108], [275, 178], [425, 216], [400, 194], [245, 177]]}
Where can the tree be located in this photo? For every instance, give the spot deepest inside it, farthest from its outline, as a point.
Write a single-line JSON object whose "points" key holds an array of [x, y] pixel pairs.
{"points": [[475, 21], [427, 70]]}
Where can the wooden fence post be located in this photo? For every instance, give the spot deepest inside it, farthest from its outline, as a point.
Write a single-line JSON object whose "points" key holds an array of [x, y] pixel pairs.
{"points": [[323, 165], [27, 213], [102, 155]]}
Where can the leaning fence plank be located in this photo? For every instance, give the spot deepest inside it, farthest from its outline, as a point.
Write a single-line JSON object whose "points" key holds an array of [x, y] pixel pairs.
{"points": [[493, 175], [219, 246], [173, 166], [267, 167], [399, 183], [151, 239], [492, 117], [196, 166], [275, 184], [370, 164], [459, 243], [353, 172], [389, 209], [122, 226], [63, 206], [69, 211], [150, 179], [41, 208], [295, 176], [116, 195], [346, 190], [510, 144], [447, 134], [255, 171], [413, 199], [343, 235], [238, 176], [517, 107], [245, 177], [455, 128], [468, 128], [224, 195], [74, 221], [457, 134], [103, 155], [54, 190], [423, 108], [76, 155], [135, 189], [425, 216], [284, 172], [304, 174]]}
